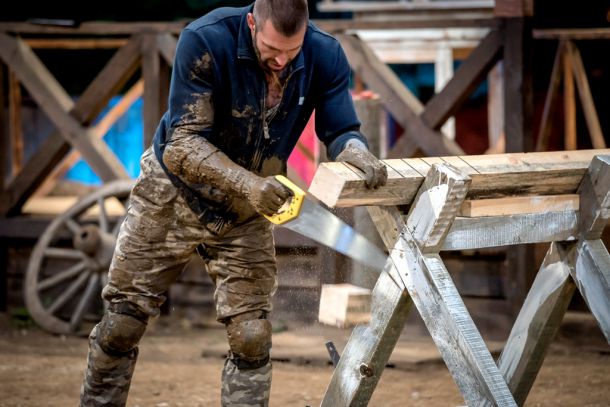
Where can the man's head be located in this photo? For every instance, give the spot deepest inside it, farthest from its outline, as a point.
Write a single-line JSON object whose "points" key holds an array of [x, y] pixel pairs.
{"points": [[278, 29]]}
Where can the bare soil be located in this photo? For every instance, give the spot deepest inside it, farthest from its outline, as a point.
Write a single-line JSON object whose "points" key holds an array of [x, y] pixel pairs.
{"points": [[180, 366]]}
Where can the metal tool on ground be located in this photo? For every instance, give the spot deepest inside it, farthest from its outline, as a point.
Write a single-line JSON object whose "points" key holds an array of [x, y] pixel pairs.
{"points": [[309, 219], [332, 352]]}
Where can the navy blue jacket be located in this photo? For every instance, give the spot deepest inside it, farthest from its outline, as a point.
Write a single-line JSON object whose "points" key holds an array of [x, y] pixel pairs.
{"points": [[318, 79]]}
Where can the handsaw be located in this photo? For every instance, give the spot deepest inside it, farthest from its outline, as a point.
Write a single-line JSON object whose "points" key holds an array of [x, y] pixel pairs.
{"points": [[306, 217]]}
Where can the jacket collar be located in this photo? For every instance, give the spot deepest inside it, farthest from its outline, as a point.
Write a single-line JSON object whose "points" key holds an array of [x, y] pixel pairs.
{"points": [[245, 48]]}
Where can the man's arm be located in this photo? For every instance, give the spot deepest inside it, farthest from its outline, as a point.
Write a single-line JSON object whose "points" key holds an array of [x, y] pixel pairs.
{"points": [[188, 153], [338, 127]]}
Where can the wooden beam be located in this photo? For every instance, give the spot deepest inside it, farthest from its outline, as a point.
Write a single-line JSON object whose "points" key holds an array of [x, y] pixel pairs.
{"points": [[465, 80], [99, 131], [493, 176], [495, 109], [405, 107], [514, 8], [151, 68], [519, 205], [586, 98], [544, 131], [93, 100], [538, 321], [75, 43], [15, 125], [343, 25], [506, 230], [95, 28], [572, 34], [56, 103], [167, 44]]}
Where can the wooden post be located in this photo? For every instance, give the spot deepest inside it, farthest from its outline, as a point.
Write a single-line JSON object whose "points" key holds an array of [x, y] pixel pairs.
{"points": [[544, 133], [4, 140], [14, 122], [569, 102], [3, 274], [518, 102], [495, 109], [151, 70]]}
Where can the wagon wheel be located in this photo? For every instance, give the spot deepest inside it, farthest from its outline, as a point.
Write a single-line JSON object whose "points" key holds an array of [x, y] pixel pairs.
{"points": [[69, 263]]}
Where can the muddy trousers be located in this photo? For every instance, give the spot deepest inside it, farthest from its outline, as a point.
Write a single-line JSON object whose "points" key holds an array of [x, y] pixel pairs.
{"points": [[156, 240], [108, 377]]}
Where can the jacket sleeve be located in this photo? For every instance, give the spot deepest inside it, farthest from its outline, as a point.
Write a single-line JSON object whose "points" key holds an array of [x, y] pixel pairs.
{"points": [[336, 120]]}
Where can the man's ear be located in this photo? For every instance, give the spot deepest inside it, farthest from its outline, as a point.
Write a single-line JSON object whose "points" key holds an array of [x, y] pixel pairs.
{"points": [[251, 21]]}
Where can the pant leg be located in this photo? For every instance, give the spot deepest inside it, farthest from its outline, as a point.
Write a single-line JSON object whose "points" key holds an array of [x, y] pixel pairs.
{"points": [[155, 241], [242, 265]]}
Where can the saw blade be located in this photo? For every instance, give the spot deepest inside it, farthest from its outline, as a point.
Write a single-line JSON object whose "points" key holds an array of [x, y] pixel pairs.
{"points": [[322, 226]]}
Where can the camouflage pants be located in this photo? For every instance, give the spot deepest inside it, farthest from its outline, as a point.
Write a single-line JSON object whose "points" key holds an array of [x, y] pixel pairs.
{"points": [[155, 242]]}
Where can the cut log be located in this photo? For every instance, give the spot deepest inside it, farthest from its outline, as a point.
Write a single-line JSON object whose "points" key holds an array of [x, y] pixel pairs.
{"points": [[493, 176]]}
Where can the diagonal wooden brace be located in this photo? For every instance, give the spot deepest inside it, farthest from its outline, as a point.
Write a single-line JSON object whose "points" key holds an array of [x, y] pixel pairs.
{"points": [[434, 294], [592, 271], [538, 321]]}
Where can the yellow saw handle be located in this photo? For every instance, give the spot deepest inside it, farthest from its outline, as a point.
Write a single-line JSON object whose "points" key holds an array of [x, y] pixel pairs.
{"points": [[292, 207]]}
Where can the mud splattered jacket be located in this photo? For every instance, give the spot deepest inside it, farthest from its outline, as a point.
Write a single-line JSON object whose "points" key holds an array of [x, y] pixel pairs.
{"points": [[215, 56]]}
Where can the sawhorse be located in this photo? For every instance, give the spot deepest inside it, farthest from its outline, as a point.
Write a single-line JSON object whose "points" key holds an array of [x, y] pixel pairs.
{"points": [[415, 273]]}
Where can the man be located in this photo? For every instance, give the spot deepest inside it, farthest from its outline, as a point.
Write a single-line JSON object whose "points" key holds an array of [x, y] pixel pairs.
{"points": [[244, 84]]}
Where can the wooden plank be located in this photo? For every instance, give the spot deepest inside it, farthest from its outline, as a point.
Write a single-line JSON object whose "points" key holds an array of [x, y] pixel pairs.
{"points": [[519, 205], [342, 25], [75, 43], [592, 277], [401, 103], [496, 231], [95, 28], [594, 194], [518, 93], [110, 79], [544, 132], [493, 176], [465, 80], [572, 33], [15, 125], [586, 98], [569, 103], [538, 321], [443, 71], [56, 103], [412, 6]]}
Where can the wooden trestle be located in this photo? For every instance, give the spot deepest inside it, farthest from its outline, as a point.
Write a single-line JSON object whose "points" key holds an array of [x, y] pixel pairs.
{"points": [[416, 214]]}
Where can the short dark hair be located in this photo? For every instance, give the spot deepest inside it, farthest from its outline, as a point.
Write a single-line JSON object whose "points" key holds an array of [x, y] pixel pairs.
{"points": [[287, 16]]}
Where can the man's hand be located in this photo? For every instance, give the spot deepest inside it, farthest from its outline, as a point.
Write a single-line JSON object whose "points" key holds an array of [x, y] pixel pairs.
{"points": [[266, 195], [375, 173]]}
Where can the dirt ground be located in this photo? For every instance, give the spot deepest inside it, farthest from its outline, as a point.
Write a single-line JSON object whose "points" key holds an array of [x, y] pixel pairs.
{"points": [[180, 366]]}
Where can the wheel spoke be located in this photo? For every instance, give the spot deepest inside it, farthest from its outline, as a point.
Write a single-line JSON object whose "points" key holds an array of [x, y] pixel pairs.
{"points": [[73, 226], [71, 254], [61, 276], [85, 301], [103, 215], [66, 295]]}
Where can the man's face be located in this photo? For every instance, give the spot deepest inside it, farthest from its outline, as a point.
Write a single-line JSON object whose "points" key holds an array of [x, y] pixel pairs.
{"points": [[274, 50]]}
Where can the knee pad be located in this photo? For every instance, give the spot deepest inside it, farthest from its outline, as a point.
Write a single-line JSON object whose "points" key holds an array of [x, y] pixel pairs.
{"points": [[249, 339], [119, 334]]}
